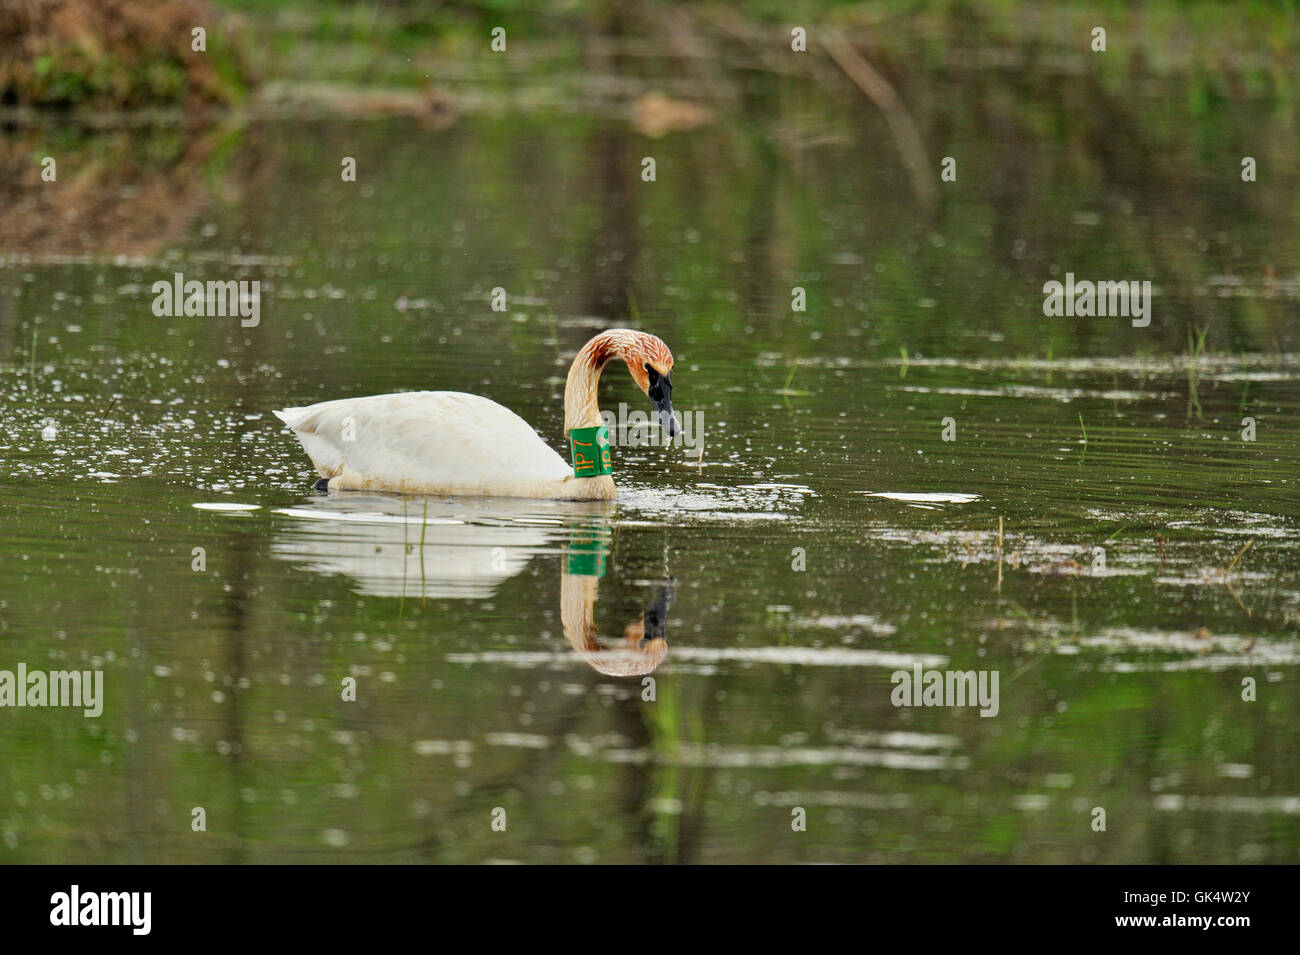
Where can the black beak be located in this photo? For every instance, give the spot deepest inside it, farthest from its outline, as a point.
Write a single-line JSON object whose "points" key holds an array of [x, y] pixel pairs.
{"points": [[664, 409], [656, 615], [661, 395]]}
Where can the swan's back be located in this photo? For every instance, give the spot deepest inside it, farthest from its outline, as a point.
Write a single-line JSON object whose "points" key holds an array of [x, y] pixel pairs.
{"points": [[427, 442]]}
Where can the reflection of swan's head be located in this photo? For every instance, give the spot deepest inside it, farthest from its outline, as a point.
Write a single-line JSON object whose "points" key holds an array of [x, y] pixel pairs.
{"points": [[644, 644]]}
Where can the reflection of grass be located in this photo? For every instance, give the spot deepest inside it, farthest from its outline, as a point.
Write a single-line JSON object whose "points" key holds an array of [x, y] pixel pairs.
{"points": [[1085, 439], [1227, 574], [1195, 346], [902, 351], [1245, 390], [554, 340], [424, 525], [787, 392], [664, 719], [401, 601], [129, 192], [1236, 560], [675, 790]]}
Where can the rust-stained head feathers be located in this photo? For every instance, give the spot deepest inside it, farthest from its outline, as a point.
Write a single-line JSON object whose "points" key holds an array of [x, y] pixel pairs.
{"points": [[648, 361], [638, 349]]}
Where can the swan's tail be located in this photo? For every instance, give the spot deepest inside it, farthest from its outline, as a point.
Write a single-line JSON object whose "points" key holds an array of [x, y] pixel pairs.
{"points": [[291, 416], [323, 453]]}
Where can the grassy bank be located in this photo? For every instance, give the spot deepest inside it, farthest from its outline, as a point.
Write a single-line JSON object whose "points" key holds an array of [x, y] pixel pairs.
{"points": [[120, 54]]}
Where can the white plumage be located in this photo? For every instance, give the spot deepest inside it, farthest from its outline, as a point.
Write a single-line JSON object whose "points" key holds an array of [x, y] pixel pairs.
{"points": [[432, 442], [448, 442]]}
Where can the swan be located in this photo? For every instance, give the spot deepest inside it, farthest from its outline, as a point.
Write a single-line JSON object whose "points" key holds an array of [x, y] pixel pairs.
{"points": [[456, 444]]}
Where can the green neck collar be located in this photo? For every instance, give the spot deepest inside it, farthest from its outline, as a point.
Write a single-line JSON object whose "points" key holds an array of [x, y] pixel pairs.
{"points": [[589, 450]]}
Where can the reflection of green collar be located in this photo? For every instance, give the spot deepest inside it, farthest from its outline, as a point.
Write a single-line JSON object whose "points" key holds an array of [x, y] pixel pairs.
{"points": [[589, 448], [586, 557]]}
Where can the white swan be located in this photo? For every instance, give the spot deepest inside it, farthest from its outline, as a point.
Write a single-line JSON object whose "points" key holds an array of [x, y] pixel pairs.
{"points": [[451, 443]]}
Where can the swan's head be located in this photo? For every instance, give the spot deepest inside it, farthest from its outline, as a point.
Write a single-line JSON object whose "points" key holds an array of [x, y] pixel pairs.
{"points": [[648, 360], [651, 365]]}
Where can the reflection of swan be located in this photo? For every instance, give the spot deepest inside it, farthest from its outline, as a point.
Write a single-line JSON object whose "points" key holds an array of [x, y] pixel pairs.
{"points": [[468, 549], [644, 641], [448, 442]]}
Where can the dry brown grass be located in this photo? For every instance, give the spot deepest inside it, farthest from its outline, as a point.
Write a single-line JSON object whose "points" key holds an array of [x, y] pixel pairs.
{"points": [[114, 53]]}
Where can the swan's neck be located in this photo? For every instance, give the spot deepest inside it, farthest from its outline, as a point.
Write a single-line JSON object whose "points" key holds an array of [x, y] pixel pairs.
{"points": [[580, 408]]}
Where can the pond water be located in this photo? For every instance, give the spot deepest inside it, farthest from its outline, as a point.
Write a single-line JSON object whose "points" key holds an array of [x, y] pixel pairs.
{"points": [[1097, 532]]}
